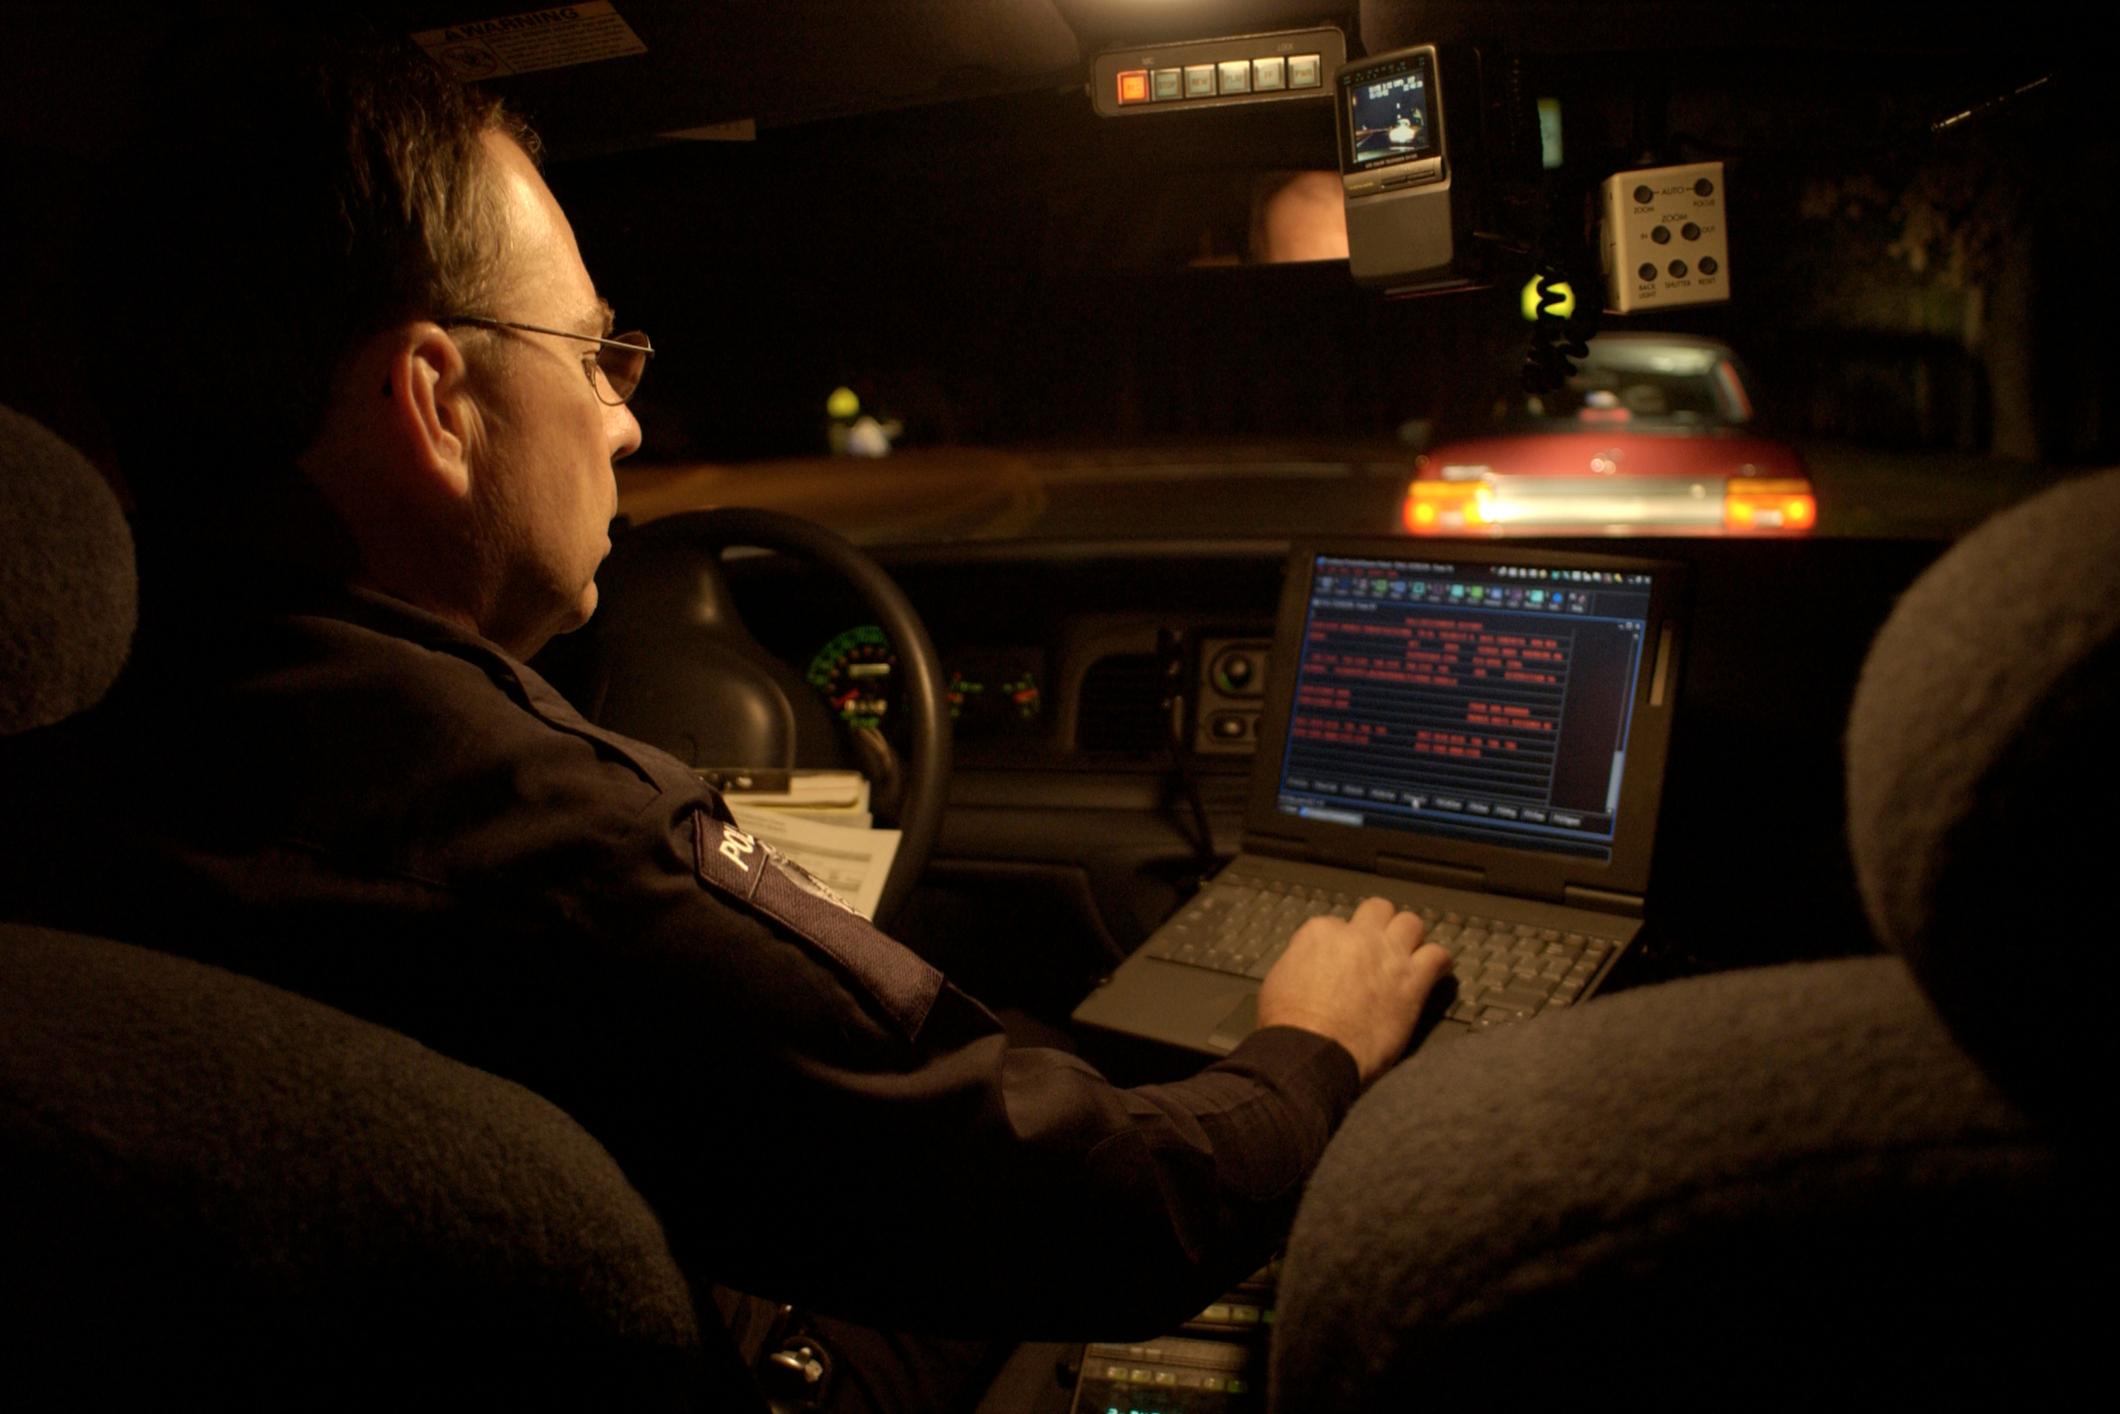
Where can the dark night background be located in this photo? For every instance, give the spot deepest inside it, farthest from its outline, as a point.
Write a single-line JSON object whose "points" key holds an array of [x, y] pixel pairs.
{"points": [[1013, 269]]}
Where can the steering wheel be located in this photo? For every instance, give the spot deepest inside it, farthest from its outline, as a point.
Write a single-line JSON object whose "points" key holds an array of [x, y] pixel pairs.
{"points": [[673, 665]]}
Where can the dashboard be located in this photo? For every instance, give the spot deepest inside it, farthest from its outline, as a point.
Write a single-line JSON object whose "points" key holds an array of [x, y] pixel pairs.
{"points": [[1080, 670], [998, 692], [1061, 656]]}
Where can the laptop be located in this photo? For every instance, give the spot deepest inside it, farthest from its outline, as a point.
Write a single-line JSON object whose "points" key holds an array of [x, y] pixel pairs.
{"points": [[1476, 732]]}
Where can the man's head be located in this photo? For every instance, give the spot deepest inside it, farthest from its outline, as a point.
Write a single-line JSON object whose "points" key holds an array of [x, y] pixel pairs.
{"points": [[287, 337], [471, 462]]}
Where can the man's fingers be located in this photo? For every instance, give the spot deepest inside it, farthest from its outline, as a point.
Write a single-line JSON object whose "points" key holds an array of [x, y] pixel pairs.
{"points": [[1374, 912], [1431, 961], [1405, 930]]}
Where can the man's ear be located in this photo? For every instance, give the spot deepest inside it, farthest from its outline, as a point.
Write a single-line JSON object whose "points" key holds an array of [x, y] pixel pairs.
{"points": [[430, 412]]}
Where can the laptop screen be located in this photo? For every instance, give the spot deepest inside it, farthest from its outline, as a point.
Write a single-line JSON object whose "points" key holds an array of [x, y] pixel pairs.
{"points": [[1477, 700]]}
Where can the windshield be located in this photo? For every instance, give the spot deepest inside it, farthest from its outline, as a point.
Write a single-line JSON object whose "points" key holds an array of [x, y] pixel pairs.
{"points": [[1051, 323], [1018, 314]]}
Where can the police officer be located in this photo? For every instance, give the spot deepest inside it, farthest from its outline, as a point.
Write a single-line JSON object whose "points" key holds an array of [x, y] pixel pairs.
{"points": [[370, 416]]}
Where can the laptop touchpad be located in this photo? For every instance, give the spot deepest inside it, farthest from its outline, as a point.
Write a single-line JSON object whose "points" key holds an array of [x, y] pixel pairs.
{"points": [[1229, 1033]]}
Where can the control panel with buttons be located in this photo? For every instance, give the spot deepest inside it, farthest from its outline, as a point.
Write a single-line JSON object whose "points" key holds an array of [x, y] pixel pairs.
{"points": [[1216, 1364], [1217, 73], [1171, 1376], [1665, 241], [1231, 687]]}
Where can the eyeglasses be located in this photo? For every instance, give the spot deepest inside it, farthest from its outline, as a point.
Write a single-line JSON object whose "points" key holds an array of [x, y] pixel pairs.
{"points": [[622, 361]]}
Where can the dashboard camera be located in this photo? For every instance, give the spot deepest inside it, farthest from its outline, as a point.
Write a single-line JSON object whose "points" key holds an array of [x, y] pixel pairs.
{"points": [[1424, 147]]}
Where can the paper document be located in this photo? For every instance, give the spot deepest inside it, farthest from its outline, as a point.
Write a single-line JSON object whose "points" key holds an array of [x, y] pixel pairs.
{"points": [[852, 863], [804, 790], [829, 798]]}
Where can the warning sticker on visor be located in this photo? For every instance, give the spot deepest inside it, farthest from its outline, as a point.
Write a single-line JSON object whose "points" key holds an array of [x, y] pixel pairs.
{"points": [[552, 38], [743, 866]]}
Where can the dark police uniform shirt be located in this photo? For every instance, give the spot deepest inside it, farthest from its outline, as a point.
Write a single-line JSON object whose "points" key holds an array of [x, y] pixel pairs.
{"points": [[363, 803]]}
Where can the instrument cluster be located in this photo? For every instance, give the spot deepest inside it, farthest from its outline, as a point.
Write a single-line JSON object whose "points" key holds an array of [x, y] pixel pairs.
{"points": [[992, 692]]}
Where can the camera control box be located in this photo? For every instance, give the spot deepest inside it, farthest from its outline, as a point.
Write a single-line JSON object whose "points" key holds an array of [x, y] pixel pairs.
{"points": [[1664, 241]]}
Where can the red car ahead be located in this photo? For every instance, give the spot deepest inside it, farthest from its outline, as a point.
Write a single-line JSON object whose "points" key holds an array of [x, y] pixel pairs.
{"points": [[1650, 436]]}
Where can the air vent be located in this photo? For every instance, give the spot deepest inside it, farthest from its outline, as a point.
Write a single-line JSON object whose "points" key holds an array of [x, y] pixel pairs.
{"points": [[1121, 705]]}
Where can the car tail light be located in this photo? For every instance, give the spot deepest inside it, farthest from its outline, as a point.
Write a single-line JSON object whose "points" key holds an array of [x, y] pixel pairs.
{"points": [[1769, 505], [1445, 507]]}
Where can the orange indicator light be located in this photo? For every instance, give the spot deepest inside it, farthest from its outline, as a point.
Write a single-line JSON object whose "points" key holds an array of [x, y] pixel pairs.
{"points": [[1436, 507], [1133, 86], [1769, 504]]}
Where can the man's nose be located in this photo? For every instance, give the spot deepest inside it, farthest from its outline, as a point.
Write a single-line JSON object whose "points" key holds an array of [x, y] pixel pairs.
{"points": [[623, 430]]}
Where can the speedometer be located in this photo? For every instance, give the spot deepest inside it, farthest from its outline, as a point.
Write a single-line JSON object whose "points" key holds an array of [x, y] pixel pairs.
{"points": [[854, 672]]}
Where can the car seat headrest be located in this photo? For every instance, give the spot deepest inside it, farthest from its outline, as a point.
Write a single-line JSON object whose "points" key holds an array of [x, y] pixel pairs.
{"points": [[68, 588], [1983, 785]]}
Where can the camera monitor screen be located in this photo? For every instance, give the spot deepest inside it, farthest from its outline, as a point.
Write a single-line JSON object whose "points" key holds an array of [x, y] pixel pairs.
{"points": [[1391, 113]]}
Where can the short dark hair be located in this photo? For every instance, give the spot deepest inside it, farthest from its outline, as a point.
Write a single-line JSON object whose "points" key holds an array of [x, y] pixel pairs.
{"points": [[300, 192]]}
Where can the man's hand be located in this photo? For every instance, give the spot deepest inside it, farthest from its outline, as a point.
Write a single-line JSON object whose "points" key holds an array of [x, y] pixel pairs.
{"points": [[1361, 981]]}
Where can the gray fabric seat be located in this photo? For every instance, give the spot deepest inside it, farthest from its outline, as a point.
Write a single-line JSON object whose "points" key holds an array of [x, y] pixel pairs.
{"points": [[255, 1197], [216, 1192], [1837, 1183]]}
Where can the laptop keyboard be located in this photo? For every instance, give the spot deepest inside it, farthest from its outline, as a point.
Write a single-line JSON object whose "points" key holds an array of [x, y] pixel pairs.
{"points": [[1506, 971]]}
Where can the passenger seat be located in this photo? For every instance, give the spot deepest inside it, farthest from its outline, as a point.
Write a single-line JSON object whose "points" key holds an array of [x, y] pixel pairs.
{"points": [[1872, 1183]]}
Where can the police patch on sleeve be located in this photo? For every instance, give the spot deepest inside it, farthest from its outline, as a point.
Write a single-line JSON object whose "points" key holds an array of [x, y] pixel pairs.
{"points": [[741, 865], [803, 879]]}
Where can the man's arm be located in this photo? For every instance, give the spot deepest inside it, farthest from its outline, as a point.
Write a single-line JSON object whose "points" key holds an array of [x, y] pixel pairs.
{"points": [[801, 1143], [818, 1117]]}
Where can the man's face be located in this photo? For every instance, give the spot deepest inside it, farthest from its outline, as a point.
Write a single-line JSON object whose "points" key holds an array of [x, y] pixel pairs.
{"points": [[541, 453]]}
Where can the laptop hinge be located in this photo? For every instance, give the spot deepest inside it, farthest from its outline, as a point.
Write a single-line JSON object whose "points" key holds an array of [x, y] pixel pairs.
{"points": [[1425, 871], [1604, 900], [1279, 847]]}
